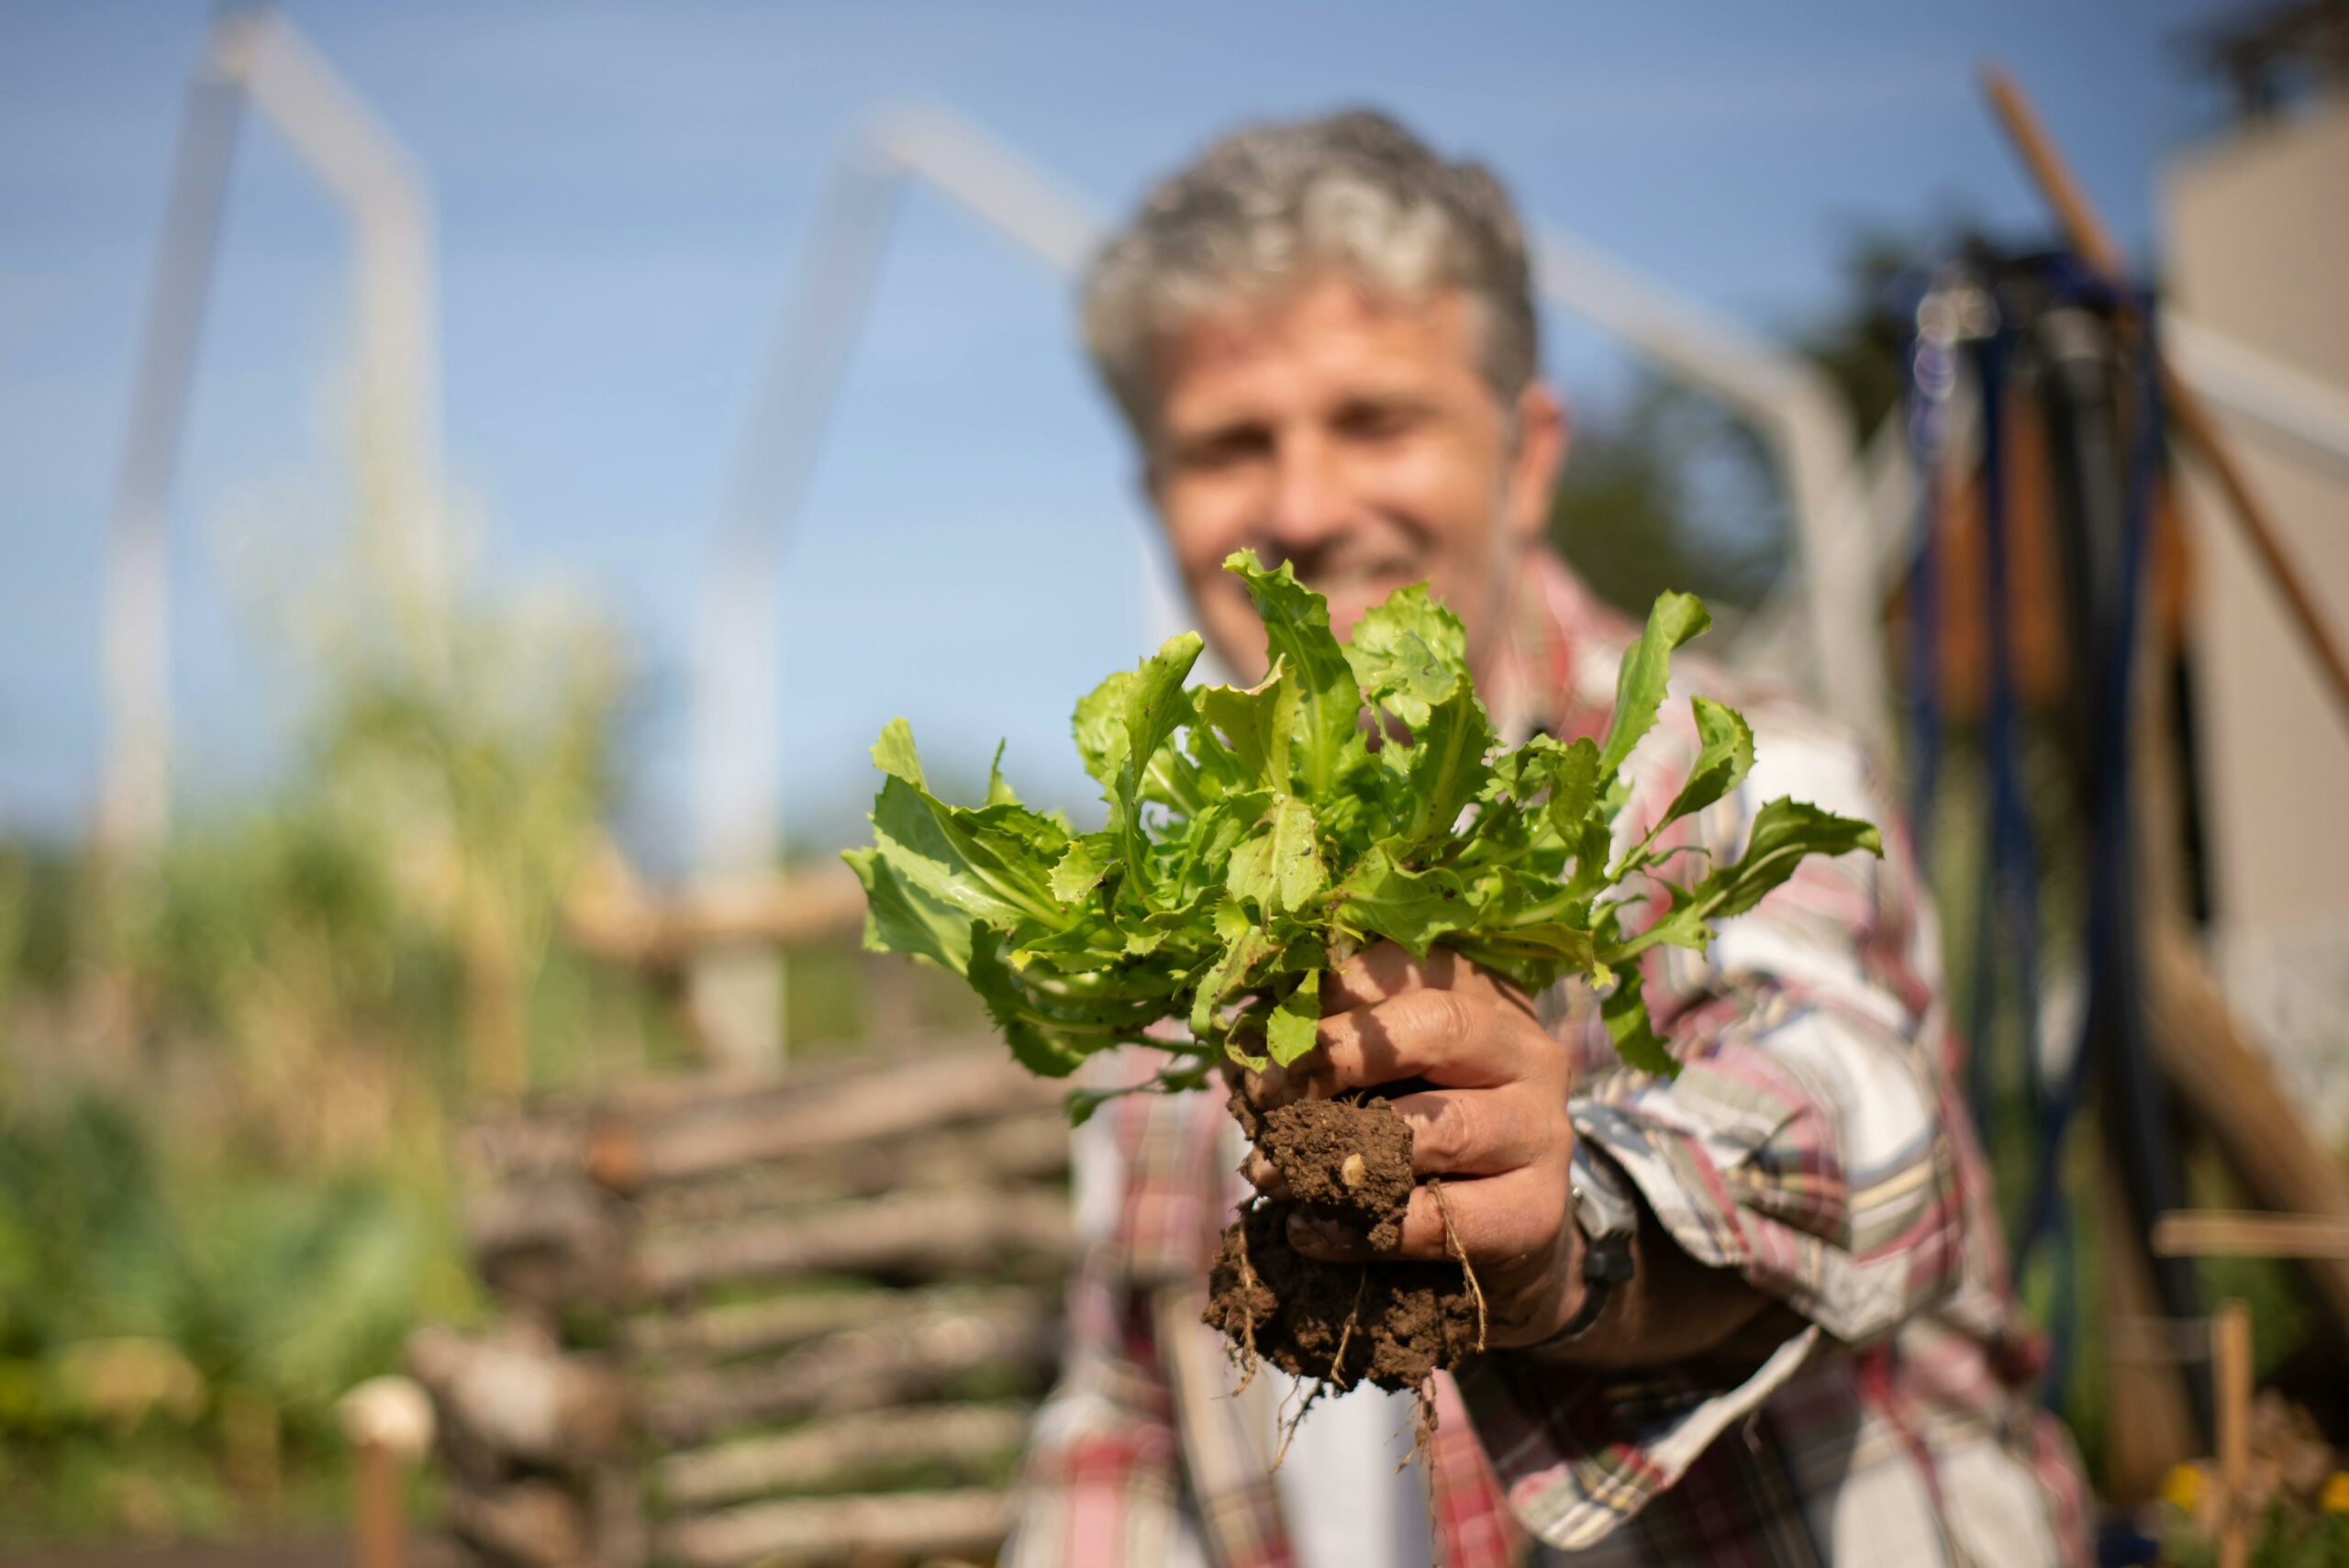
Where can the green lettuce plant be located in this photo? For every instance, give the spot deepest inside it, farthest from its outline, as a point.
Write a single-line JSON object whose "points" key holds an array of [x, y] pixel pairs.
{"points": [[1258, 835]]}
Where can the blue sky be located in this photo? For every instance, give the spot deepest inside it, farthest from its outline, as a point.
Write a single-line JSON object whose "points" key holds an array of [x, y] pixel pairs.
{"points": [[620, 190]]}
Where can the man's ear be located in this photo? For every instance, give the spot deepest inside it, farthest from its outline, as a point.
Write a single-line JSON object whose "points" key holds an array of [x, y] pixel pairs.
{"points": [[1544, 432]]}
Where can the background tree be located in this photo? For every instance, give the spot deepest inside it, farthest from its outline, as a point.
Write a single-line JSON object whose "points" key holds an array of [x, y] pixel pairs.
{"points": [[1670, 489]]}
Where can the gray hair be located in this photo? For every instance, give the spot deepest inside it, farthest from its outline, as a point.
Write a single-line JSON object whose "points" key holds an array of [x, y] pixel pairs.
{"points": [[1269, 205]]}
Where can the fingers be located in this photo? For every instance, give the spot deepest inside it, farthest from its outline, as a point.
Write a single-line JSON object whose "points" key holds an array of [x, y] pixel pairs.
{"points": [[1234, 1075], [1263, 1176], [1449, 1037], [1386, 970], [1495, 1219], [1471, 1134], [1453, 1135], [1387, 1016]]}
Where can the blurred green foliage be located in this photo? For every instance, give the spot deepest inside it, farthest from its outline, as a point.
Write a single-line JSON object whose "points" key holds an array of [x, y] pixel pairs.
{"points": [[160, 1310], [1669, 489], [1671, 492], [228, 1072], [2287, 1535]]}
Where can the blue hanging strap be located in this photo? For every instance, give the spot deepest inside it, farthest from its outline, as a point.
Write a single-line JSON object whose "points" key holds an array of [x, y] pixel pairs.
{"points": [[2006, 913], [2112, 1033]]}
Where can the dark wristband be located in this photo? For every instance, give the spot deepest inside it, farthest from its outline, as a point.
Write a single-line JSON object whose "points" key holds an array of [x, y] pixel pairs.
{"points": [[1608, 1218]]}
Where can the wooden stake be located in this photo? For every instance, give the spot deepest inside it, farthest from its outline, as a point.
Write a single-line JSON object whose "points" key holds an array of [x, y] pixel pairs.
{"points": [[2230, 1366], [2088, 237], [379, 1523], [388, 1423]]}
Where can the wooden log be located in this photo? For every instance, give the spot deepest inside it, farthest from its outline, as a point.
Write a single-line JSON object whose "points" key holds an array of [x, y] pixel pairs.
{"points": [[2233, 1233], [1022, 1231], [2225, 1084], [893, 1363], [750, 1328], [890, 1527], [621, 924], [378, 1511], [548, 1240], [518, 1143], [550, 1133], [841, 1450], [529, 1524], [963, 1086], [518, 1397], [617, 1531], [1029, 1146], [724, 1093], [387, 1421]]}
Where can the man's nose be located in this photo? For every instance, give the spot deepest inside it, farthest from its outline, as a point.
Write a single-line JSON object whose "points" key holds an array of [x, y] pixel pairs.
{"points": [[1309, 504]]}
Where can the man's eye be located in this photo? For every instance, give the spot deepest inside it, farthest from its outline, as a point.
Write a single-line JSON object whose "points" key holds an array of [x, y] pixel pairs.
{"points": [[1224, 448], [1377, 421]]}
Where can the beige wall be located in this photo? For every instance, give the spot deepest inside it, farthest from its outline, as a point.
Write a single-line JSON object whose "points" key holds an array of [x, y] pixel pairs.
{"points": [[2257, 246]]}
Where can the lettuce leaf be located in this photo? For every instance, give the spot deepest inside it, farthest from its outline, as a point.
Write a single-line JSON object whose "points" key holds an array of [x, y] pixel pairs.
{"points": [[1257, 836]]}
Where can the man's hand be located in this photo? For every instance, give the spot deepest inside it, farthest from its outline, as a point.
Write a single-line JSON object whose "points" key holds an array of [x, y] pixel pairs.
{"points": [[1493, 1125]]}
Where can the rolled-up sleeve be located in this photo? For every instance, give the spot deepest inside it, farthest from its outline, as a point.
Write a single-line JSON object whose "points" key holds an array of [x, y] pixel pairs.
{"points": [[1806, 1144]]}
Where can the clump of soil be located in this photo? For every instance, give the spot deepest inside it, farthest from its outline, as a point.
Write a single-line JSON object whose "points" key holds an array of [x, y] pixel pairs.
{"points": [[1391, 1323], [1351, 1161]]}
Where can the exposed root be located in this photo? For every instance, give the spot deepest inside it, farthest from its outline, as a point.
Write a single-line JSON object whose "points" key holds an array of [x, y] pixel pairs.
{"points": [[1246, 1355], [1423, 1421], [1424, 1442], [1452, 1240], [1346, 1332], [1289, 1427]]}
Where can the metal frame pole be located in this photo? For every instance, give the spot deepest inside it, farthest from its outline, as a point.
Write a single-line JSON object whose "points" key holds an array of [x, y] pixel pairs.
{"points": [[395, 303], [134, 787], [254, 54], [739, 994]]}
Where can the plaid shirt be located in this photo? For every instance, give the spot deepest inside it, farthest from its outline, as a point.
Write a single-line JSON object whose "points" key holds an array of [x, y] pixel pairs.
{"points": [[1813, 1142]]}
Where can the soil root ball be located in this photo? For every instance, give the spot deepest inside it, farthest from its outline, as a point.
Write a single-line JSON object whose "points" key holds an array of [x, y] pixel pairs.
{"points": [[1392, 1324]]}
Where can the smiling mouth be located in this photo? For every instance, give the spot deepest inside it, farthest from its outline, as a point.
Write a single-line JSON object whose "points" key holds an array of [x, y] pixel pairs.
{"points": [[1350, 579]]}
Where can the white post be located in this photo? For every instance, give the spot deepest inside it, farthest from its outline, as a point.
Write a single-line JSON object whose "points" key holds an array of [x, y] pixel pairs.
{"points": [[738, 995], [397, 354], [2262, 391], [395, 310], [134, 786]]}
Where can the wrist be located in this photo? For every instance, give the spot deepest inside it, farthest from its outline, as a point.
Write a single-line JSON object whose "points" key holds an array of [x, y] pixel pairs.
{"points": [[1576, 1299], [1551, 1297], [1600, 1227]]}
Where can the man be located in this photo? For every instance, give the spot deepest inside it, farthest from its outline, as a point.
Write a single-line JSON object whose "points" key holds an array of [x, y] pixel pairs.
{"points": [[1756, 1314]]}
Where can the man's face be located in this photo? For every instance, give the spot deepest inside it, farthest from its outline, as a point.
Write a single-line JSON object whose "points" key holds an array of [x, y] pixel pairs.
{"points": [[1356, 437]]}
